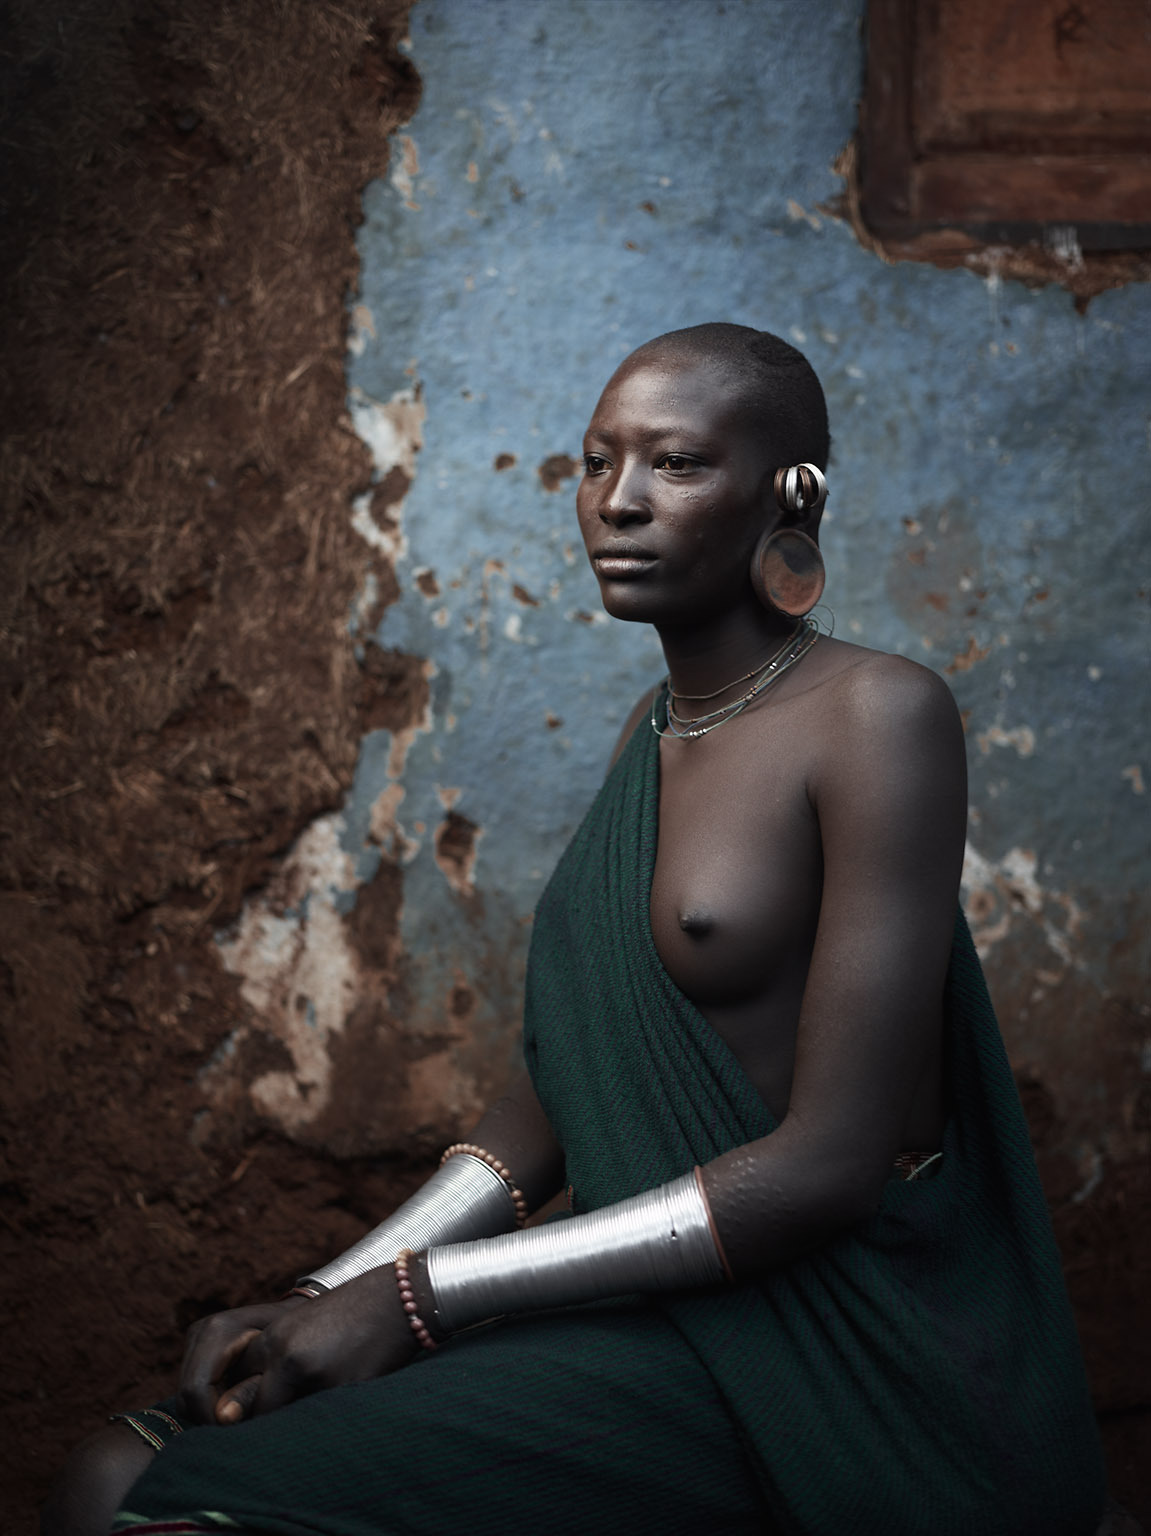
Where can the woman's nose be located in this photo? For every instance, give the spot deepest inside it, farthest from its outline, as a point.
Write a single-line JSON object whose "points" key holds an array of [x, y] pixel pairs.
{"points": [[625, 501]]}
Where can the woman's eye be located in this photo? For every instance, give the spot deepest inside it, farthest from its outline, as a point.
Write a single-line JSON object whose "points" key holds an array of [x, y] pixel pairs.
{"points": [[678, 463], [594, 464]]}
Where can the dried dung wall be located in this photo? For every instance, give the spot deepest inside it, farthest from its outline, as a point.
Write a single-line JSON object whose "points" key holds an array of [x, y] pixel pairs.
{"points": [[180, 696]]}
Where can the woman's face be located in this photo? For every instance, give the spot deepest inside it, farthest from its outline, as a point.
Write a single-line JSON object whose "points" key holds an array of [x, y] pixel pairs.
{"points": [[676, 491]]}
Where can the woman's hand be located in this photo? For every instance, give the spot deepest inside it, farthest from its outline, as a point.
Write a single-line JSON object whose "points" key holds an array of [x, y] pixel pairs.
{"points": [[265, 1356]]}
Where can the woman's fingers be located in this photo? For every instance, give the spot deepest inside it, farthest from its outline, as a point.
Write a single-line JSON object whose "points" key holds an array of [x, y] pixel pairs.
{"points": [[235, 1404], [211, 1350], [280, 1384]]}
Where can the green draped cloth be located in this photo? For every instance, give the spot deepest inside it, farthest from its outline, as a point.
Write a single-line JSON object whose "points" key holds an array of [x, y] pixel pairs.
{"points": [[922, 1373], [918, 1377]]}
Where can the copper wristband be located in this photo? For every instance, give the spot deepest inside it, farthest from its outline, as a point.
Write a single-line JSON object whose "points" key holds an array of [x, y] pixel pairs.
{"points": [[463, 1199], [658, 1241]]}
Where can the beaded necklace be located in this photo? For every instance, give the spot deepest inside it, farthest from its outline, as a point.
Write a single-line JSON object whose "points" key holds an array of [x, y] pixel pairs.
{"points": [[794, 649]]}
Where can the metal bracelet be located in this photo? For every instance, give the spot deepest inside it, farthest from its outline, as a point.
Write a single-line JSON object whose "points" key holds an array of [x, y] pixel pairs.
{"points": [[658, 1241], [463, 1199]]}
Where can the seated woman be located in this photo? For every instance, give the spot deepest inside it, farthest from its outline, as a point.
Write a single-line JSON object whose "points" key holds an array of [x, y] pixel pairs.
{"points": [[808, 1284]]}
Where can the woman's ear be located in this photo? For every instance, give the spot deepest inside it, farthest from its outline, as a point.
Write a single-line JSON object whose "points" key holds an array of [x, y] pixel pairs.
{"points": [[800, 492]]}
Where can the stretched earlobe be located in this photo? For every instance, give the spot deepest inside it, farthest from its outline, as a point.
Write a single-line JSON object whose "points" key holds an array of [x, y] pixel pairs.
{"points": [[787, 570]]}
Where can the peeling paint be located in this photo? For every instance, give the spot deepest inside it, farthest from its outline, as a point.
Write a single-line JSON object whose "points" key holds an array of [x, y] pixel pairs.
{"points": [[405, 169], [361, 329], [385, 828], [964, 660], [298, 973], [1000, 893], [393, 432], [798, 211], [456, 841], [1021, 737]]}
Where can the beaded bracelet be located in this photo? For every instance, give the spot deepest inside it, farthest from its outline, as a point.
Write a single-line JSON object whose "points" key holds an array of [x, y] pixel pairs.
{"points": [[408, 1299], [494, 1163]]}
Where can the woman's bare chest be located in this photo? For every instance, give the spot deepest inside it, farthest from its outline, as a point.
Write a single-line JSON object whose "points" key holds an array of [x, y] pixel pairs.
{"points": [[738, 875]]}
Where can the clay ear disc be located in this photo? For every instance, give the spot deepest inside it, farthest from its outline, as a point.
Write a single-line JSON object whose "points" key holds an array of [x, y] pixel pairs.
{"points": [[789, 571]]}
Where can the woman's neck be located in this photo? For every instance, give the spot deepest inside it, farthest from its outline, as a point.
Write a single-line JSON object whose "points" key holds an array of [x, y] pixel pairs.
{"points": [[710, 656]]}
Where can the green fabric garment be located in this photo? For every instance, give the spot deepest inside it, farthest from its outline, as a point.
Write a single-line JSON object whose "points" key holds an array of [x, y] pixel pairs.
{"points": [[594, 1420], [920, 1376]]}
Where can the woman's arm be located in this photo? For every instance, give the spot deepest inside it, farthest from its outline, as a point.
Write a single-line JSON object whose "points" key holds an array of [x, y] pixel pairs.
{"points": [[325, 1342], [891, 800]]}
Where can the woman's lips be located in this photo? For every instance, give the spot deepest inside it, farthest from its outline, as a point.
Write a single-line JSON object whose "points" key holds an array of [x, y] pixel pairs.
{"points": [[619, 567]]}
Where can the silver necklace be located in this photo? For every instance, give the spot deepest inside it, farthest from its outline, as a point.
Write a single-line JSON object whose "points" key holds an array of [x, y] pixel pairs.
{"points": [[796, 648], [702, 698]]}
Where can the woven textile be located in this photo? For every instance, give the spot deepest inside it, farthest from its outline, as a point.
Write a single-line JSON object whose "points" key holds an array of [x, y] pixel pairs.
{"points": [[598, 1419], [921, 1375]]}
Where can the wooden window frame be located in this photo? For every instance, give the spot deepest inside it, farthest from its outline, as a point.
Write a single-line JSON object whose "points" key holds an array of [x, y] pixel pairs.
{"points": [[1087, 206]]}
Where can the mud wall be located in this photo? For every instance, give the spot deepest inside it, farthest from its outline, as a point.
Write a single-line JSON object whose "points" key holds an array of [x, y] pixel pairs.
{"points": [[306, 681], [180, 697]]}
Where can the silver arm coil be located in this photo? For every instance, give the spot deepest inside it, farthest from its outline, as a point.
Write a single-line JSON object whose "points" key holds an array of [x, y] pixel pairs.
{"points": [[658, 1241], [463, 1199]]}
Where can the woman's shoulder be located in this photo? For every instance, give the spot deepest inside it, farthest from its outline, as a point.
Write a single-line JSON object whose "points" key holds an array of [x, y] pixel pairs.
{"points": [[871, 712], [880, 683]]}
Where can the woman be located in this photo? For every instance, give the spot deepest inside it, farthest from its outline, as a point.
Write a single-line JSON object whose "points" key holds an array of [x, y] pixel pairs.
{"points": [[808, 1284]]}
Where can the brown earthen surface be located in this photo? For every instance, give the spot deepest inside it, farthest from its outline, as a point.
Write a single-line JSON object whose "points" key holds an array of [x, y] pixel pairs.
{"points": [[180, 696]]}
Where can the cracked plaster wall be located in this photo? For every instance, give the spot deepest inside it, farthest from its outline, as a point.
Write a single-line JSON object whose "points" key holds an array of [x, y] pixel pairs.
{"points": [[581, 176]]}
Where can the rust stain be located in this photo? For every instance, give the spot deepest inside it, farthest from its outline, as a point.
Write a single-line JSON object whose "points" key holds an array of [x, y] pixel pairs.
{"points": [[557, 468], [455, 852], [504, 461], [427, 583], [522, 595], [553, 721], [965, 660]]}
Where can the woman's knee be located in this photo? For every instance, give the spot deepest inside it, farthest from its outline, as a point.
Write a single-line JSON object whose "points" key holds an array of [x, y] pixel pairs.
{"points": [[94, 1482]]}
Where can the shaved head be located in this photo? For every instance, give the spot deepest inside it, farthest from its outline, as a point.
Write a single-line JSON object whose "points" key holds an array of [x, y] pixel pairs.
{"points": [[778, 383]]}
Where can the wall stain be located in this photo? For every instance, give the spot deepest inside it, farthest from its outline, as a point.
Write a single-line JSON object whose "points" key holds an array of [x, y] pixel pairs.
{"points": [[557, 468], [455, 852]]}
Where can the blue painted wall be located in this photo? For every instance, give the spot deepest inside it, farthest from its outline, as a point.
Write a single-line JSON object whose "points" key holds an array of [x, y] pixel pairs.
{"points": [[584, 174]]}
